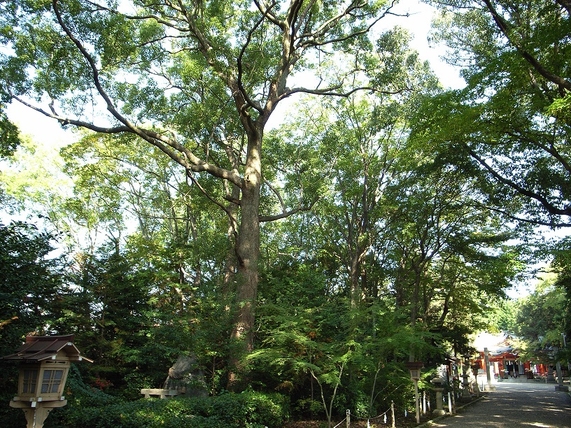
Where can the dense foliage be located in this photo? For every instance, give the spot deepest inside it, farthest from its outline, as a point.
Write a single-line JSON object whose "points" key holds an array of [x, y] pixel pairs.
{"points": [[382, 222], [30, 281], [509, 127]]}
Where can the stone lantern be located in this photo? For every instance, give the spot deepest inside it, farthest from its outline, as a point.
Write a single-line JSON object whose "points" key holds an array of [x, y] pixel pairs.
{"points": [[438, 388], [44, 366], [414, 369]]}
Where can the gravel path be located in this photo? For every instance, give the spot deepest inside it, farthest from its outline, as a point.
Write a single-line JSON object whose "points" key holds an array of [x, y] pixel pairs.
{"points": [[528, 404]]}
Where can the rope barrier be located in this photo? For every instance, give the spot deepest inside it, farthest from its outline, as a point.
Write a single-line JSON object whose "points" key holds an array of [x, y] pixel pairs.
{"points": [[340, 423], [376, 417], [373, 418]]}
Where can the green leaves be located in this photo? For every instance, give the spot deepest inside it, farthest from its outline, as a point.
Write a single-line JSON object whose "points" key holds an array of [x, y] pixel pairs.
{"points": [[383, 246], [9, 136], [513, 59], [29, 281], [540, 321]]}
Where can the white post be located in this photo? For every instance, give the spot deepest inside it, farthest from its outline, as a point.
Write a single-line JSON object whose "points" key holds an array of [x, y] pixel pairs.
{"points": [[417, 401], [565, 347], [449, 403]]}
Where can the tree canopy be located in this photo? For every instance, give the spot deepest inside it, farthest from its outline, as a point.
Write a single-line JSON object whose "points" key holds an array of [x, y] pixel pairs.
{"points": [[509, 127], [380, 220], [197, 80]]}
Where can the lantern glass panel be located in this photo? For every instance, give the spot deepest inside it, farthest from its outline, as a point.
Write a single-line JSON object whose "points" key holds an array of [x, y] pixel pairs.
{"points": [[51, 381], [29, 381]]}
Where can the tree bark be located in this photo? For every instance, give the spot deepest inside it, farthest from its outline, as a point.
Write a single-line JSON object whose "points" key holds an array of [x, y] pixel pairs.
{"points": [[248, 255]]}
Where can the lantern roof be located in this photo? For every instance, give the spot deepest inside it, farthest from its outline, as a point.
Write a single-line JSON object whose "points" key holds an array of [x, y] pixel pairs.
{"points": [[41, 348]]}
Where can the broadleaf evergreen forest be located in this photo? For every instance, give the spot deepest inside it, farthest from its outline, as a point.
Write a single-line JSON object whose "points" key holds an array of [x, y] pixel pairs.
{"points": [[284, 193]]}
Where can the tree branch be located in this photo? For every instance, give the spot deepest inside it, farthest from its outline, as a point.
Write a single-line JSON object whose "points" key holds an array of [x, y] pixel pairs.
{"points": [[334, 91], [504, 213], [250, 102], [552, 209], [551, 150], [215, 202], [504, 27], [171, 147], [79, 123], [94, 70], [312, 38], [285, 214]]}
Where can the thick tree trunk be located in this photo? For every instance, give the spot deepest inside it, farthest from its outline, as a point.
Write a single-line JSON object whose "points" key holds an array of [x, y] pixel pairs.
{"points": [[248, 254]]}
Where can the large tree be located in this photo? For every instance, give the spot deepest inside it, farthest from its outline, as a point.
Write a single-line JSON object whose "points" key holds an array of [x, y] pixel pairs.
{"points": [[197, 79]]}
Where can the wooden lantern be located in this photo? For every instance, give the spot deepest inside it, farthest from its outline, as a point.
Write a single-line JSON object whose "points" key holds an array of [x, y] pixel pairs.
{"points": [[414, 369], [44, 366]]}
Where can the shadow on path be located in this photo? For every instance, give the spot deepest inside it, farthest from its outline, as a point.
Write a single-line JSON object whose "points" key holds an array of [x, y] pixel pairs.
{"points": [[515, 405]]}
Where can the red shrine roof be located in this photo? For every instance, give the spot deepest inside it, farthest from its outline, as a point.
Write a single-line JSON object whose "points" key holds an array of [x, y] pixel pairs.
{"points": [[500, 346], [41, 348]]}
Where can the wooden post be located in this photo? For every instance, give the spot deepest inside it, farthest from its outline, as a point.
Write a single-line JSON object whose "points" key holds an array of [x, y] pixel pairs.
{"points": [[37, 412], [348, 418], [415, 367], [392, 414]]}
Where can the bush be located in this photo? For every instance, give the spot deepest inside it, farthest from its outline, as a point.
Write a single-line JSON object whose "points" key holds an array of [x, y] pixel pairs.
{"points": [[252, 409], [246, 410]]}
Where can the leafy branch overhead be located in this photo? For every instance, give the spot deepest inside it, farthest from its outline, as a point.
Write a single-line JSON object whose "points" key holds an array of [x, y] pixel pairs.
{"points": [[177, 54], [509, 126], [199, 82]]}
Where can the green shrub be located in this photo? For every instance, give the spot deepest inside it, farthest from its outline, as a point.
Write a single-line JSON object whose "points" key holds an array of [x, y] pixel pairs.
{"points": [[246, 410], [252, 409]]}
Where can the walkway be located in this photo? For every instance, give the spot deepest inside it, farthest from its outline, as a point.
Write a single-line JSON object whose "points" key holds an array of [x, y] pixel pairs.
{"points": [[526, 404]]}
